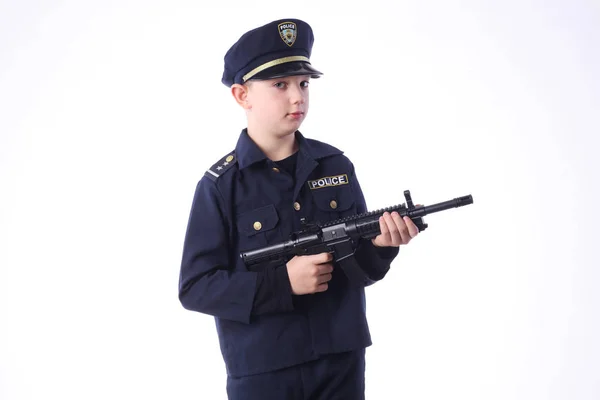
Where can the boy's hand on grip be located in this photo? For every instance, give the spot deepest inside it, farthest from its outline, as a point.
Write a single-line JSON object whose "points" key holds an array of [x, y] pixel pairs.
{"points": [[310, 274]]}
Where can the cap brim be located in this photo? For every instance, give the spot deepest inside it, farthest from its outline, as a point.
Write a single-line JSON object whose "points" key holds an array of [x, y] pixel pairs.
{"points": [[288, 69]]}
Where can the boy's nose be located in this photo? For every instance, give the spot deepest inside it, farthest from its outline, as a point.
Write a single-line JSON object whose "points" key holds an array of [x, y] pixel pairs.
{"points": [[297, 96]]}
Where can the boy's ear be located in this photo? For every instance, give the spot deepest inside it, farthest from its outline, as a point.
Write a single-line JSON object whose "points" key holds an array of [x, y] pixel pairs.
{"points": [[240, 94]]}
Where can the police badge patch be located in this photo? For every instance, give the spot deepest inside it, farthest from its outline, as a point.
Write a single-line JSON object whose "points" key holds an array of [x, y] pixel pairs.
{"points": [[328, 181], [288, 32]]}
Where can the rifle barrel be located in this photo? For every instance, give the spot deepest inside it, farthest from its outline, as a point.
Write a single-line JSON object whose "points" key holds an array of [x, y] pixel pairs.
{"points": [[445, 205]]}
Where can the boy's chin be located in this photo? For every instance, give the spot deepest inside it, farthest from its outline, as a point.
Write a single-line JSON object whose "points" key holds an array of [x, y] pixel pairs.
{"points": [[289, 127]]}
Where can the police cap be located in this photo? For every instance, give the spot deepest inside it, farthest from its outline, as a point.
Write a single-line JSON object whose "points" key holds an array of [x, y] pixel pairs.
{"points": [[277, 49]]}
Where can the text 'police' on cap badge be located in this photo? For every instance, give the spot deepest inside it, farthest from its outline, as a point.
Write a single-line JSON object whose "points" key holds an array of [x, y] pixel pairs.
{"points": [[288, 32]]}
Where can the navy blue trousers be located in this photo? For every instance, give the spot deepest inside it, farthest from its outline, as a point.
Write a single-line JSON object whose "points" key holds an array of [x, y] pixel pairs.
{"points": [[332, 377]]}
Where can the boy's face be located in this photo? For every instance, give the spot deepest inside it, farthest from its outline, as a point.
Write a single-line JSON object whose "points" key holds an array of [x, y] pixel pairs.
{"points": [[279, 105]]}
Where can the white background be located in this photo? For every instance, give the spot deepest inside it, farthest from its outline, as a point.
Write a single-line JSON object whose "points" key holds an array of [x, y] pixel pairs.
{"points": [[110, 112]]}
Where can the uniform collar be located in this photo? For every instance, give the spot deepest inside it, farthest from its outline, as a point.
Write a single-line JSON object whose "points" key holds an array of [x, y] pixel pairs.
{"points": [[248, 153]]}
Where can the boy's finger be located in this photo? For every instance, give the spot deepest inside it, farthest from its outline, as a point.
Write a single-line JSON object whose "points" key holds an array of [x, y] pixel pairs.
{"points": [[325, 269], [383, 226], [324, 278], [413, 230], [322, 287], [402, 229], [322, 258], [395, 235]]}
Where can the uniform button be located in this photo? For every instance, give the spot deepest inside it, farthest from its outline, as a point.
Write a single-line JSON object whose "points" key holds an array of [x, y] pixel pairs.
{"points": [[257, 226], [296, 206], [229, 158], [276, 169], [333, 204]]}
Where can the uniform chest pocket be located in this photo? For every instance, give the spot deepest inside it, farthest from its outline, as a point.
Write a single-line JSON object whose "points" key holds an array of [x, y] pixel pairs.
{"points": [[334, 202], [258, 227]]}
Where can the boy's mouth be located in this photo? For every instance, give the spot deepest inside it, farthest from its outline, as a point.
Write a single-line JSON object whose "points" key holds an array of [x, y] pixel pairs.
{"points": [[296, 114]]}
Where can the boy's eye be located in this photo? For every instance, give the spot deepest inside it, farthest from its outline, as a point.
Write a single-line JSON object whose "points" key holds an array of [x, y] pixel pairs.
{"points": [[281, 85]]}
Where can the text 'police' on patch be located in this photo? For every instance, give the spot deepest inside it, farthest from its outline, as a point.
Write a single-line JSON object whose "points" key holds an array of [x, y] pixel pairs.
{"points": [[328, 181]]}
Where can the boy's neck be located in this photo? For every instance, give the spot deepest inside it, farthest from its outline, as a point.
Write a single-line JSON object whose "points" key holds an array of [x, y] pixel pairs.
{"points": [[275, 148]]}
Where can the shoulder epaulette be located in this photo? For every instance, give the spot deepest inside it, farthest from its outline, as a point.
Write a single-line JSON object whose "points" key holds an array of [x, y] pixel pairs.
{"points": [[220, 167]]}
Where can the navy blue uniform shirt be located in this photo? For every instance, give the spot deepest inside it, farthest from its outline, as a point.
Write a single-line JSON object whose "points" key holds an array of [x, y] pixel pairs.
{"points": [[245, 201]]}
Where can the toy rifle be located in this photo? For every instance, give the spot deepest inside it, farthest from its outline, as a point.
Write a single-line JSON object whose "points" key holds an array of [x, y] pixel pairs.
{"points": [[340, 237]]}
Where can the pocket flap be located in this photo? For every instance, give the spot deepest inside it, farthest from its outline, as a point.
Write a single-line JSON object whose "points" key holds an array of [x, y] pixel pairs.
{"points": [[334, 199], [258, 220]]}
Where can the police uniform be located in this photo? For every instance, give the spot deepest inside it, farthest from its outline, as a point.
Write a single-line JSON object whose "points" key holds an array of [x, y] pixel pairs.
{"points": [[277, 345]]}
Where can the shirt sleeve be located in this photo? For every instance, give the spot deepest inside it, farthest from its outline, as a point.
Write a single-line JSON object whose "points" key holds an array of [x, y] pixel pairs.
{"points": [[273, 291], [375, 261], [207, 280]]}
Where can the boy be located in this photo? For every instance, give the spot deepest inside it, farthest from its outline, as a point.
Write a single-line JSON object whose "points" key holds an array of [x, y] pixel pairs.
{"points": [[296, 330]]}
